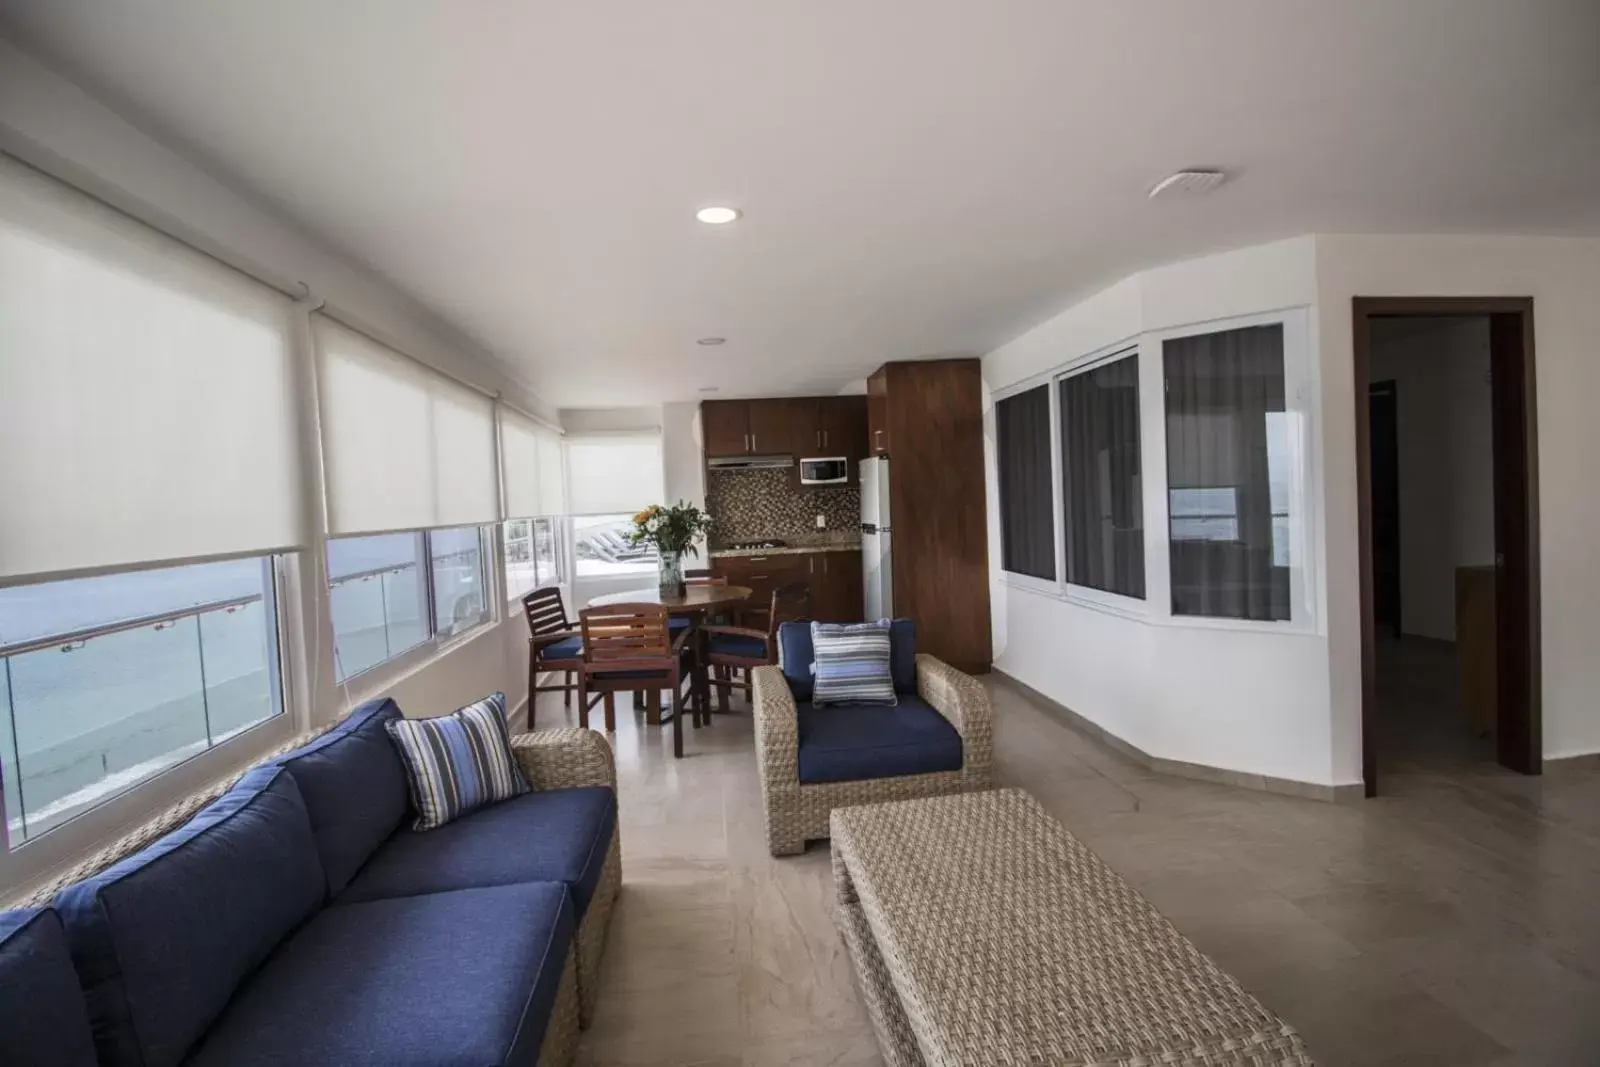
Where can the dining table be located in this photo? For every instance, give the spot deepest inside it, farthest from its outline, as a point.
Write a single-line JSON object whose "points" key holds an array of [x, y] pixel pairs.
{"points": [[695, 602]]}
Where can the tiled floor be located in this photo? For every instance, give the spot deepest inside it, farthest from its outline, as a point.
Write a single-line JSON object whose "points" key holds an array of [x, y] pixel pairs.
{"points": [[1453, 921]]}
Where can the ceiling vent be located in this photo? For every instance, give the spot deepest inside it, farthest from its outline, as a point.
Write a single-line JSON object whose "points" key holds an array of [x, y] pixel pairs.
{"points": [[1189, 183]]}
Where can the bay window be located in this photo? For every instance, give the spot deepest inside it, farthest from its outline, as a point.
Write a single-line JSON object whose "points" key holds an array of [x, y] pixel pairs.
{"points": [[1229, 471], [1027, 503], [1102, 502]]}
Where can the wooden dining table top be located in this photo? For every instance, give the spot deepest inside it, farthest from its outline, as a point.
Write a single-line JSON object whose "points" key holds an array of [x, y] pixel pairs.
{"points": [[695, 597]]}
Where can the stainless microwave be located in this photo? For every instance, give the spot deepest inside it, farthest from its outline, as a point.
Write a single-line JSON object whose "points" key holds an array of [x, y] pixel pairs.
{"points": [[828, 470]]}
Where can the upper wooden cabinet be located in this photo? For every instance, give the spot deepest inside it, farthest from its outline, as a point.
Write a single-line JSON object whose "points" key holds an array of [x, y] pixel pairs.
{"points": [[725, 427], [795, 426], [878, 413]]}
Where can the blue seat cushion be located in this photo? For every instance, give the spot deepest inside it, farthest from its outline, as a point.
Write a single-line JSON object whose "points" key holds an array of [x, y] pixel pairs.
{"points": [[737, 645], [796, 655], [560, 835], [852, 743], [566, 648], [354, 786], [161, 939], [467, 978], [42, 1015]]}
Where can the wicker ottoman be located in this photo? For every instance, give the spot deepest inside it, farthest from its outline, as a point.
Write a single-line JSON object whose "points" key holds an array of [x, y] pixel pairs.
{"points": [[983, 933]]}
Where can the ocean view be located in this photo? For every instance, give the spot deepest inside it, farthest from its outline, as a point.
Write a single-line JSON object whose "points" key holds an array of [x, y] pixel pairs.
{"points": [[82, 719]]}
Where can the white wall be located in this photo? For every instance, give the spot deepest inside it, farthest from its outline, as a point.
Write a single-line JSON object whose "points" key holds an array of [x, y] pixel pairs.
{"points": [[1246, 699], [1440, 368], [1562, 275]]}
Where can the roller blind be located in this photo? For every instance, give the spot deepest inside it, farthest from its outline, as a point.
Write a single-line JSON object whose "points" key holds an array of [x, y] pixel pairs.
{"points": [[612, 474], [146, 393], [404, 447], [530, 463]]}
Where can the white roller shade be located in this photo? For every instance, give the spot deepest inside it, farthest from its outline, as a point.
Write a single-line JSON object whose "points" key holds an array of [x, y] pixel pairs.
{"points": [[608, 475], [146, 393], [530, 463], [404, 447]]}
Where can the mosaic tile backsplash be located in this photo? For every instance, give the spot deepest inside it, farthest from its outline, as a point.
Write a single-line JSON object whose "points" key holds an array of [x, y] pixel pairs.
{"points": [[753, 505]]}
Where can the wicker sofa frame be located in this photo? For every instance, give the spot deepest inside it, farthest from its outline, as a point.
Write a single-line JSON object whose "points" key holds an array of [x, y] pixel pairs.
{"points": [[797, 812], [550, 759]]}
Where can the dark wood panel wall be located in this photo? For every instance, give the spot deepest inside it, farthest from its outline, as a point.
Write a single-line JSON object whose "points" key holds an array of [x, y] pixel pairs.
{"points": [[932, 423]]}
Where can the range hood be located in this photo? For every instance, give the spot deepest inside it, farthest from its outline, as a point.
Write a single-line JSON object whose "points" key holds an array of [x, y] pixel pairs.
{"points": [[750, 463]]}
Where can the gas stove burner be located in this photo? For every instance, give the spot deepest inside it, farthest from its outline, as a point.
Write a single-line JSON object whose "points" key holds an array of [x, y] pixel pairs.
{"points": [[769, 543]]}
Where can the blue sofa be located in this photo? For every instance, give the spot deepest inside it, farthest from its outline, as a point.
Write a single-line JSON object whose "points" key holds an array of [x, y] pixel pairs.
{"points": [[297, 920]]}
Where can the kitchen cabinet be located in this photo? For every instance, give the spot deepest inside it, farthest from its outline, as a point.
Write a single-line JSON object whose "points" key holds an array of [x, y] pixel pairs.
{"points": [[796, 426], [834, 578], [878, 413], [725, 427], [928, 415], [782, 426], [835, 586]]}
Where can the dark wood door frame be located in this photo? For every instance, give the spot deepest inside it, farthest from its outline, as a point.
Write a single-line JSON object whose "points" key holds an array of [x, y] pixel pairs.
{"points": [[1518, 730]]}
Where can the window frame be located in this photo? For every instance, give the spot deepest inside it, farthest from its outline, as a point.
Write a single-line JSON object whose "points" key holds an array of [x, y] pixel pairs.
{"points": [[37, 857], [385, 672], [557, 524], [1088, 594], [576, 574], [1301, 396], [1052, 433]]}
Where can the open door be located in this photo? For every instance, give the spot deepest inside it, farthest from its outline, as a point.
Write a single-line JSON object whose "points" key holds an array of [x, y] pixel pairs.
{"points": [[1519, 740]]}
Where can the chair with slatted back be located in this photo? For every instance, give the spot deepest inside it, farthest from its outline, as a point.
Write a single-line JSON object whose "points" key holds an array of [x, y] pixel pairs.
{"points": [[632, 648], [731, 651], [554, 646]]}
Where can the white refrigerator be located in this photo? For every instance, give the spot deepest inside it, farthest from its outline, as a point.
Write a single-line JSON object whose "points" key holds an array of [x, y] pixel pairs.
{"points": [[875, 537]]}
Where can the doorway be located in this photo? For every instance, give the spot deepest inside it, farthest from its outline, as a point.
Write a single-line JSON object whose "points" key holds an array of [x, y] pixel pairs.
{"points": [[1491, 601]]}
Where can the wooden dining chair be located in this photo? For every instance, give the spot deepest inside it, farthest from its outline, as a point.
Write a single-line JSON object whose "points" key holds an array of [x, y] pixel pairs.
{"points": [[554, 646], [732, 651], [631, 648]]}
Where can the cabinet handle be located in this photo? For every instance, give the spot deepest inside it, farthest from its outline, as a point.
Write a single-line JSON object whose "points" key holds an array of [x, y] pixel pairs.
{"points": [[824, 438], [759, 577], [877, 438], [811, 565], [752, 440], [756, 559]]}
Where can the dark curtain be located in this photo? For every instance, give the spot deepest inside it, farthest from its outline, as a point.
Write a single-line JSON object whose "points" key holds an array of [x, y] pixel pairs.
{"points": [[1221, 388], [1100, 478], [1022, 449]]}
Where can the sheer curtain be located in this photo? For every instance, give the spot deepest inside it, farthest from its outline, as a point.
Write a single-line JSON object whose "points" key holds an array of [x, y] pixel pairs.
{"points": [[1100, 478], [1227, 474], [1022, 453]]}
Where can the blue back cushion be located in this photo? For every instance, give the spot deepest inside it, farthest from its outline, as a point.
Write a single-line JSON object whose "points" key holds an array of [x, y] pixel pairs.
{"points": [[354, 787], [161, 939], [796, 655], [42, 1016]]}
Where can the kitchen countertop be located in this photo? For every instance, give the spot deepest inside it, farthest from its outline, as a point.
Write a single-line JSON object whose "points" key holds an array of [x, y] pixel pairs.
{"points": [[791, 550]]}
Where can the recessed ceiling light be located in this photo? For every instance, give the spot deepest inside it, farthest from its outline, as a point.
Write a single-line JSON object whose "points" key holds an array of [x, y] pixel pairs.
{"points": [[718, 216], [712, 341]]}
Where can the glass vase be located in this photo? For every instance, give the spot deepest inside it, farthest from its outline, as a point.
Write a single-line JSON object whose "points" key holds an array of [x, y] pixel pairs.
{"points": [[671, 574]]}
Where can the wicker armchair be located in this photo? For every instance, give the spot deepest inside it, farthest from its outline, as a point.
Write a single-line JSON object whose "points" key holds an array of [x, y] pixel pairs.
{"points": [[797, 812]]}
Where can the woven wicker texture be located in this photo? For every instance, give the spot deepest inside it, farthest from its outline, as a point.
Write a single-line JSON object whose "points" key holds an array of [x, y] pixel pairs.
{"points": [[896, 1040], [797, 812], [1006, 941], [560, 1045]]}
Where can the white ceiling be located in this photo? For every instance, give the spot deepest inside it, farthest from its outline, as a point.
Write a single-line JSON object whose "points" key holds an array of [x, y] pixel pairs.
{"points": [[919, 177]]}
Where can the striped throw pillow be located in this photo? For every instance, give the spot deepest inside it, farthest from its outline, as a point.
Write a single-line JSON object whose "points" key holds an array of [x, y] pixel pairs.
{"points": [[851, 664], [458, 763]]}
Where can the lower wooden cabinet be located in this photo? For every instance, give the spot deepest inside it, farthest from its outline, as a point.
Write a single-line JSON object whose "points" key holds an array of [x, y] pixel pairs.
{"points": [[834, 578]]}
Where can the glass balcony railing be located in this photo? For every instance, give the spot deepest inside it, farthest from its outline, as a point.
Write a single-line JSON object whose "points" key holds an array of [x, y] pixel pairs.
{"points": [[377, 614], [88, 714]]}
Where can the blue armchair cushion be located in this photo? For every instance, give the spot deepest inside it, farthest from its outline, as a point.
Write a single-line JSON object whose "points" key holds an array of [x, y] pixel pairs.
{"points": [[795, 655], [42, 1016], [559, 835], [161, 939], [849, 744], [466, 978], [354, 788], [737, 645], [566, 648]]}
